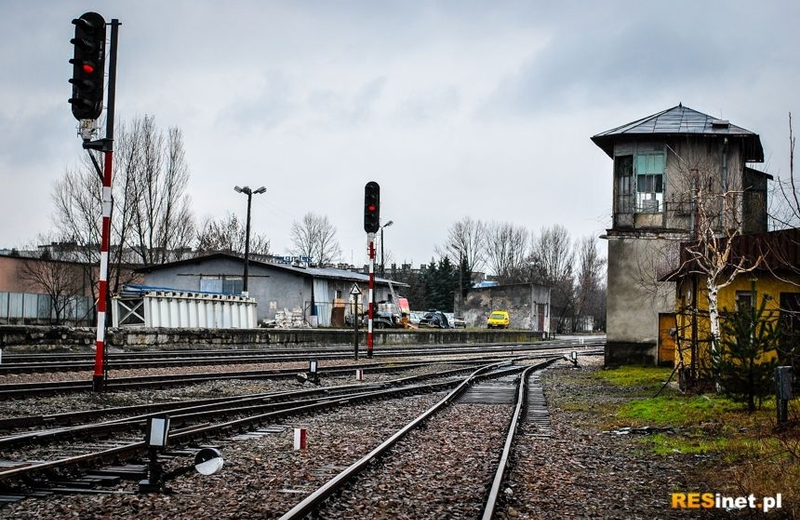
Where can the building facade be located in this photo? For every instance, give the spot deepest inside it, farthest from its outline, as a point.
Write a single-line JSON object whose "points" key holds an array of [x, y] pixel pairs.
{"points": [[770, 276], [528, 305], [277, 288], [662, 165], [44, 291]]}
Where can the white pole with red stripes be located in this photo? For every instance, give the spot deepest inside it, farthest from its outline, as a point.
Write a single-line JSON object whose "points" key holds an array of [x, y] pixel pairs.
{"points": [[106, 146], [372, 221], [99, 356], [371, 300]]}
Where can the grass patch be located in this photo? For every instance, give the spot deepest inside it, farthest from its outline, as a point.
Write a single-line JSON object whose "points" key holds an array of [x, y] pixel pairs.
{"points": [[677, 411], [669, 444], [649, 379], [747, 454]]}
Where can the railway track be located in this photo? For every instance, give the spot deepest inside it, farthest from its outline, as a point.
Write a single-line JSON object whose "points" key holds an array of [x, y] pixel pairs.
{"points": [[267, 369], [102, 452], [75, 362], [399, 467], [54, 459], [19, 390]]}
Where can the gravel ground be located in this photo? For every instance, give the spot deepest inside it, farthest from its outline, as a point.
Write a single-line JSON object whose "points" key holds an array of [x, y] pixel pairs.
{"points": [[580, 472], [439, 471], [584, 472]]}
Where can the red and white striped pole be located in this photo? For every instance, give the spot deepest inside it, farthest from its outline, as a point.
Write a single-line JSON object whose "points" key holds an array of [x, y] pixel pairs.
{"points": [[370, 312], [372, 222], [107, 146], [99, 356]]}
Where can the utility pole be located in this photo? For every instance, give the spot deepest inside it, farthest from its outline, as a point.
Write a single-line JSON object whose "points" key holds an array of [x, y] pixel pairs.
{"points": [[247, 191]]}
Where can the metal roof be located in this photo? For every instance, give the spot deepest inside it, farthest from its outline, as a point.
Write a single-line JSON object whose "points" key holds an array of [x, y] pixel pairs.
{"points": [[775, 252], [313, 272], [680, 121]]}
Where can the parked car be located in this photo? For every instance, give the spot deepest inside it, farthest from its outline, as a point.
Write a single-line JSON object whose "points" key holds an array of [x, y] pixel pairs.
{"points": [[455, 323], [434, 320], [498, 320]]}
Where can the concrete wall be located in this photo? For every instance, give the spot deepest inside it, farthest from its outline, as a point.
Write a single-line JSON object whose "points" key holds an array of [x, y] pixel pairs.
{"points": [[635, 298], [15, 339], [528, 305]]}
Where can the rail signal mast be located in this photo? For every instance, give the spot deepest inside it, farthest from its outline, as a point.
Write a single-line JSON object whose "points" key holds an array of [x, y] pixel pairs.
{"points": [[372, 210], [88, 75]]}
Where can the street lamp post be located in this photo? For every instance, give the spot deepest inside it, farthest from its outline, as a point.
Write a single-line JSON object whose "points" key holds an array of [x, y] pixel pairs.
{"points": [[247, 191], [383, 271]]}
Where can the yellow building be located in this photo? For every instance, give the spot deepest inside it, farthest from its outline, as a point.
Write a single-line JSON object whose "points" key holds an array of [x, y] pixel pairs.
{"points": [[768, 270]]}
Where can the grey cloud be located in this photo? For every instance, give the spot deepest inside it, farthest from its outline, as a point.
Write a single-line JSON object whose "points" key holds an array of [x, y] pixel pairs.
{"points": [[426, 106], [598, 56], [335, 108], [272, 105]]}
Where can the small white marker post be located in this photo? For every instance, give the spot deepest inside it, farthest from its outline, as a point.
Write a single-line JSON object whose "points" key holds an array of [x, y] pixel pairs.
{"points": [[300, 439]]}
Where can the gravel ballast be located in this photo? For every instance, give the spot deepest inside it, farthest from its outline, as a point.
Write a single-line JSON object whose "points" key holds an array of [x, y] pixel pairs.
{"points": [[578, 472]]}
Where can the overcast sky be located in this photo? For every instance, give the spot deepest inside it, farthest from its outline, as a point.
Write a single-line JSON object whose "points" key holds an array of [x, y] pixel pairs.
{"points": [[455, 108]]}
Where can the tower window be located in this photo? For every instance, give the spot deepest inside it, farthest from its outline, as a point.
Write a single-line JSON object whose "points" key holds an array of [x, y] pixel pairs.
{"points": [[650, 182]]}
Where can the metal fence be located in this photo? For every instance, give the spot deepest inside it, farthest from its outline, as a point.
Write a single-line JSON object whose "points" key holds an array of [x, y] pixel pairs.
{"points": [[37, 309]]}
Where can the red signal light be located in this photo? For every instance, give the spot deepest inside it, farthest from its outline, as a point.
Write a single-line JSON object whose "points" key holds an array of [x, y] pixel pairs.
{"points": [[372, 207], [88, 60]]}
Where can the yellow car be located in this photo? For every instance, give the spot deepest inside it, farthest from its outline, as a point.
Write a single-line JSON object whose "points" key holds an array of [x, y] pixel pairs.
{"points": [[498, 320]]}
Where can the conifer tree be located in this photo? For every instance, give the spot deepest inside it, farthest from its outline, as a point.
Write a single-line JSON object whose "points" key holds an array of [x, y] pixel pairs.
{"points": [[747, 360]]}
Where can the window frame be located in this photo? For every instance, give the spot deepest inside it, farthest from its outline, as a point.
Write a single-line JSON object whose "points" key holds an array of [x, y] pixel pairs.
{"points": [[649, 181]]}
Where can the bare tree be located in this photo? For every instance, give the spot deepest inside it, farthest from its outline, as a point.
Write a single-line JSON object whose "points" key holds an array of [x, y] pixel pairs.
{"points": [[76, 198], [151, 214], [155, 176], [314, 236], [229, 234], [552, 255], [717, 221], [466, 248], [466, 241], [589, 286], [506, 250], [61, 281], [77, 204], [551, 263], [788, 211]]}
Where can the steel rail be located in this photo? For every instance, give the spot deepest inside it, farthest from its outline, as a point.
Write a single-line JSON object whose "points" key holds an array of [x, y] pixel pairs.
{"points": [[502, 466], [312, 502], [18, 390], [205, 431], [196, 432], [191, 409], [36, 362]]}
